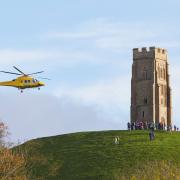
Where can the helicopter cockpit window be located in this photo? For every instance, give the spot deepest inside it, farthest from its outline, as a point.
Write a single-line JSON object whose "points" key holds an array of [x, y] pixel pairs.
{"points": [[13, 80], [34, 81]]}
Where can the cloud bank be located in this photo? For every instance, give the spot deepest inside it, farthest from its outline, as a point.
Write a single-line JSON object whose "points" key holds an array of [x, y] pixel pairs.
{"points": [[30, 116]]}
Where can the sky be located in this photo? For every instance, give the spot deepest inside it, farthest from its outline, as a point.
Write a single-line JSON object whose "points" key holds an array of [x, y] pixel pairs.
{"points": [[85, 48]]}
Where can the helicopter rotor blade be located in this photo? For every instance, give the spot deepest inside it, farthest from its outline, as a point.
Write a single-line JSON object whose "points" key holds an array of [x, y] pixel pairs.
{"points": [[43, 78], [10, 72], [18, 70], [35, 73]]}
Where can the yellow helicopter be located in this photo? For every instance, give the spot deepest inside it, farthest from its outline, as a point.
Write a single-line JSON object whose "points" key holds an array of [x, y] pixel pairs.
{"points": [[24, 81]]}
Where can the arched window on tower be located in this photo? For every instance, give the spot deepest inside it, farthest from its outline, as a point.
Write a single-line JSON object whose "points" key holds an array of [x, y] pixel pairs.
{"points": [[158, 71], [162, 89], [164, 73], [145, 100], [143, 114], [165, 101], [144, 75], [162, 101], [165, 90], [161, 73]]}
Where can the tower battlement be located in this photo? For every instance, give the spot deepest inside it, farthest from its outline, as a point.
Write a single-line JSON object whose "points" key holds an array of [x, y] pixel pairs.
{"points": [[151, 52]]}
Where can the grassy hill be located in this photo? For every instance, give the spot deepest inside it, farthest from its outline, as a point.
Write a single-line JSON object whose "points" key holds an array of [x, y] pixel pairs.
{"points": [[93, 155]]}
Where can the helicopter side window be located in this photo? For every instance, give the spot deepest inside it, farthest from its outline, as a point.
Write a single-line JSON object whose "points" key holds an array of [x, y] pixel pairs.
{"points": [[28, 81], [25, 81], [13, 80]]}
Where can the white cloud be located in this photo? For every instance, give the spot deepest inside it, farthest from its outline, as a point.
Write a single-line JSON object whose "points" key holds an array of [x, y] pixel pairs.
{"points": [[10, 56], [111, 97], [111, 35], [103, 93], [31, 116], [98, 34]]}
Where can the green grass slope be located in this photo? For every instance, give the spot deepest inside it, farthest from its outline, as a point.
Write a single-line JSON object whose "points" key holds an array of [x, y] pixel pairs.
{"points": [[93, 155]]}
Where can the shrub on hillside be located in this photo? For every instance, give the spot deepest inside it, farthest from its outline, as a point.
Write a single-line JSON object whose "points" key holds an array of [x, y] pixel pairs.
{"points": [[12, 164], [153, 171]]}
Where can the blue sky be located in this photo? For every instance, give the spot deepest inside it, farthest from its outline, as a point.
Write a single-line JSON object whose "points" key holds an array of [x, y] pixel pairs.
{"points": [[85, 47]]}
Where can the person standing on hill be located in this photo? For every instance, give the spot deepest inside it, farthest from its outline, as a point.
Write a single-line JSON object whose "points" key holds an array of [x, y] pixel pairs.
{"points": [[151, 135], [129, 126], [116, 140]]}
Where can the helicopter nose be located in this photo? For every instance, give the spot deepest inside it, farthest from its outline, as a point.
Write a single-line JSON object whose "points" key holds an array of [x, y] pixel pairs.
{"points": [[41, 84]]}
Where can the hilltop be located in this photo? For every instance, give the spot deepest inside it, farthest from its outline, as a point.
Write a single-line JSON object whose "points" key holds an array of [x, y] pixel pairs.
{"points": [[93, 155]]}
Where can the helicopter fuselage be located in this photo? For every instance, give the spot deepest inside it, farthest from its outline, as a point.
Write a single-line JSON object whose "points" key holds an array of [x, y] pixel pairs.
{"points": [[23, 82]]}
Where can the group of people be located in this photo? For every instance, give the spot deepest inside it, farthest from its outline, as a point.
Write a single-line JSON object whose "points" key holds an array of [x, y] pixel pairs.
{"points": [[150, 126], [140, 125]]}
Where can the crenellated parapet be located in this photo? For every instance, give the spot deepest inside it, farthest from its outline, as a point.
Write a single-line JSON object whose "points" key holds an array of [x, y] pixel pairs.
{"points": [[148, 53]]}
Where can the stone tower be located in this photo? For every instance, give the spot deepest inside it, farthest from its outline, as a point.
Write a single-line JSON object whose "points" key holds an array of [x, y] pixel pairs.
{"points": [[150, 86]]}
